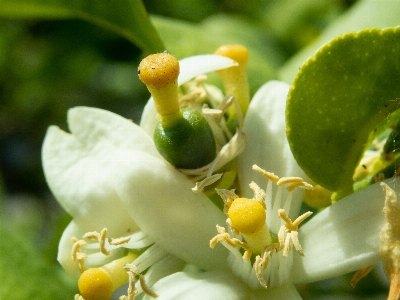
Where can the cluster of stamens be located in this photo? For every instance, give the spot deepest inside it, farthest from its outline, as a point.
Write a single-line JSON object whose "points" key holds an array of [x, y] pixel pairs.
{"points": [[247, 217], [79, 256], [100, 283]]}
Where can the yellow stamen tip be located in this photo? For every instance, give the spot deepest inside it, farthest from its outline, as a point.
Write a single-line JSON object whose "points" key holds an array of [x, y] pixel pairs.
{"points": [[159, 70], [95, 284], [238, 53], [247, 215]]}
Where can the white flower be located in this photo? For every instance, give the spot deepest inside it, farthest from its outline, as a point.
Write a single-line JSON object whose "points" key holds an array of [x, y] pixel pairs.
{"points": [[341, 239], [107, 173]]}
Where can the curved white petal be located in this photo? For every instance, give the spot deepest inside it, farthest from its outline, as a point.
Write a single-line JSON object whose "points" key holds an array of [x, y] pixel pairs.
{"points": [[166, 266], [78, 166], [267, 145], [193, 66], [160, 200], [213, 285], [287, 292], [65, 246], [95, 257], [344, 237], [190, 67]]}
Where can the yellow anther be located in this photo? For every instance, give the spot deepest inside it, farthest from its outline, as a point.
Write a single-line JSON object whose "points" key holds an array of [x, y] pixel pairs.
{"points": [[95, 284], [159, 72], [76, 253], [99, 237], [235, 78], [119, 241], [293, 234], [247, 215], [285, 180], [269, 175], [360, 274], [223, 237]]}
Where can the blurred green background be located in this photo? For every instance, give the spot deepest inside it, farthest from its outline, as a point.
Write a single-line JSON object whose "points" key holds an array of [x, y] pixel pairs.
{"points": [[49, 64]]}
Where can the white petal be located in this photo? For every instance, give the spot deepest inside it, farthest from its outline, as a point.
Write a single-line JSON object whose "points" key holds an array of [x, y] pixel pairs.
{"points": [[161, 201], [267, 145], [286, 292], [344, 237], [64, 249], [190, 67], [95, 257], [166, 266], [193, 66], [215, 285], [78, 166]]}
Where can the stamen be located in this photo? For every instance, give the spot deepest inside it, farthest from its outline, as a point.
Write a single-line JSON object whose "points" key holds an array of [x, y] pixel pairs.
{"points": [[132, 291], [233, 229], [293, 234], [269, 175], [76, 253], [260, 265], [286, 247], [196, 93], [145, 288], [99, 237], [259, 194], [198, 188], [303, 185], [390, 246], [223, 237], [119, 241], [360, 274], [132, 272], [228, 196], [285, 180]]}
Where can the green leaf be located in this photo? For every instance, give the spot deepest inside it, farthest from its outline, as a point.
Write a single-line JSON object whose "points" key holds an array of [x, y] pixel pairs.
{"points": [[127, 18], [338, 100], [25, 274], [363, 14]]}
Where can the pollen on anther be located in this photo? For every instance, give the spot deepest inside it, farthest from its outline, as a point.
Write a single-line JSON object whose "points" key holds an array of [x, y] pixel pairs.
{"points": [[247, 215], [269, 175]]}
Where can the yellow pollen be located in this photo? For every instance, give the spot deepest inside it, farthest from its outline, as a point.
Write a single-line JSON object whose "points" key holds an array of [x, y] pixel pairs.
{"points": [[247, 215], [95, 284], [159, 72], [269, 175]]}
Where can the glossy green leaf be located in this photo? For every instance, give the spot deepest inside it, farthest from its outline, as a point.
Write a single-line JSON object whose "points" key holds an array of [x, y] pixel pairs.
{"points": [[338, 100], [363, 14], [127, 18]]}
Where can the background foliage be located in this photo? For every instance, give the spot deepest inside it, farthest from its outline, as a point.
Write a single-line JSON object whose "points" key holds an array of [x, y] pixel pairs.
{"points": [[56, 54]]}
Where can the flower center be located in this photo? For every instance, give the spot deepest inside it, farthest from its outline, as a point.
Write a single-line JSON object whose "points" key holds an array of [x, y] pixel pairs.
{"points": [[247, 215], [247, 219]]}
